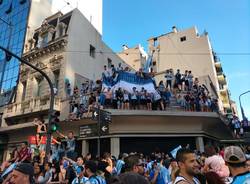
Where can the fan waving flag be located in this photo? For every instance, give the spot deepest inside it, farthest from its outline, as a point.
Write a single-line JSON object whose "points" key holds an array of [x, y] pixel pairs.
{"points": [[127, 81], [174, 151], [148, 64]]}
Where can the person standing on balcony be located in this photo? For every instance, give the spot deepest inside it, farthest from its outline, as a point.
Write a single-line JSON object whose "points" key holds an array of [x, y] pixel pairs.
{"points": [[134, 101], [108, 98], [178, 79], [119, 96], [126, 100], [190, 80], [169, 79]]}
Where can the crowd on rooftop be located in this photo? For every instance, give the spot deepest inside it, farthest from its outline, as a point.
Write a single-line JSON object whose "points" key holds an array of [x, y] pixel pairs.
{"points": [[216, 165], [183, 90]]}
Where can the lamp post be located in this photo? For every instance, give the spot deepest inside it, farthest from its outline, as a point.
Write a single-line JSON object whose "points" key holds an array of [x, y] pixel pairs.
{"points": [[52, 97], [241, 108]]}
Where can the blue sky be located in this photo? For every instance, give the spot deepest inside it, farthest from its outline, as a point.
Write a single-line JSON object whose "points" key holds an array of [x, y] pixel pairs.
{"points": [[227, 22]]}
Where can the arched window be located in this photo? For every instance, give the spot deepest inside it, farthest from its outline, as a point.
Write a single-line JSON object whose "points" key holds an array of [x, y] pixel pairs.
{"points": [[37, 90], [24, 86]]}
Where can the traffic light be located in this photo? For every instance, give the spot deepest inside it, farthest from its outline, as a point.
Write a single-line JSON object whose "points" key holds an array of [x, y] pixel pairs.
{"points": [[54, 121]]}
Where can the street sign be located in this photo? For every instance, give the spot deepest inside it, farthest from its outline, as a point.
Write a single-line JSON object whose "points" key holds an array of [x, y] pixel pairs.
{"points": [[104, 129], [103, 119], [105, 116], [95, 115], [88, 131]]}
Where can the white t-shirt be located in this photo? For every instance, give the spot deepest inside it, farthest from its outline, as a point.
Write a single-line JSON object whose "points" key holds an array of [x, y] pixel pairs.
{"points": [[181, 178]]}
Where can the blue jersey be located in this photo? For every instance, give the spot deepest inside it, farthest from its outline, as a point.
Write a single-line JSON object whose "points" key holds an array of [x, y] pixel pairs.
{"points": [[163, 176], [82, 180], [119, 165], [97, 180], [243, 178]]}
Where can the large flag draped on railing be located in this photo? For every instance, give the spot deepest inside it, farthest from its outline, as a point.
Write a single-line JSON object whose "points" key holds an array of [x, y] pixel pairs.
{"points": [[127, 81]]}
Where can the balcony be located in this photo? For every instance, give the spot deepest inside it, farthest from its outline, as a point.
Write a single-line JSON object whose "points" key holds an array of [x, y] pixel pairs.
{"points": [[223, 91], [225, 100], [221, 78], [218, 65], [33, 105]]}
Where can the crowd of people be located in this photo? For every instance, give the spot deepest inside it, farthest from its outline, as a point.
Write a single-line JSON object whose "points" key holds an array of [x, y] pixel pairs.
{"points": [[214, 166], [185, 92], [239, 127]]}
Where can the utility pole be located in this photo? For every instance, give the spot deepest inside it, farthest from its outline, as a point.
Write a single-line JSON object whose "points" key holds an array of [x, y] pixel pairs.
{"points": [[99, 132], [241, 108]]}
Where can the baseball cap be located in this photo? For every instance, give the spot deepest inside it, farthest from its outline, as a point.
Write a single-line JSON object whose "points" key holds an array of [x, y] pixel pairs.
{"points": [[234, 154], [25, 168]]}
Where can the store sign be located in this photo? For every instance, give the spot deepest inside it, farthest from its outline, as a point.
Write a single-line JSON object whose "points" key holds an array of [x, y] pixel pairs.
{"points": [[88, 131]]}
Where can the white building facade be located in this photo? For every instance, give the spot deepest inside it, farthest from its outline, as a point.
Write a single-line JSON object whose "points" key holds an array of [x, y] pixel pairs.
{"points": [[69, 50], [91, 9], [189, 50]]}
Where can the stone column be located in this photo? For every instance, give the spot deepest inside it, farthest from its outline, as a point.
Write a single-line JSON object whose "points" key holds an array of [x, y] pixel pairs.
{"points": [[50, 33], [85, 147], [199, 144], [115, 146]]}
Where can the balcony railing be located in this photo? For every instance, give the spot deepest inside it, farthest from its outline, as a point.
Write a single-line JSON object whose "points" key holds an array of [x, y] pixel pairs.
{"points": [[221, 78], [30, 106], [218, 65]]}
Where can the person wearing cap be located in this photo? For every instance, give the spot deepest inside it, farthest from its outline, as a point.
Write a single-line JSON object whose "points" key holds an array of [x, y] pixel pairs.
{"points": [[80, 179], [236, 161], [90, 169], [22, 174]]}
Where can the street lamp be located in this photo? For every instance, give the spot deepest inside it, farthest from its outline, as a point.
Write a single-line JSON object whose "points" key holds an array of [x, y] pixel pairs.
{"points": [[52, 97], [241, 108]]}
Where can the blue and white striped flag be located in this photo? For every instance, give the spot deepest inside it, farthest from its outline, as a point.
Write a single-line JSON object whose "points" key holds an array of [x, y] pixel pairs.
{"points": [[174, 151]]}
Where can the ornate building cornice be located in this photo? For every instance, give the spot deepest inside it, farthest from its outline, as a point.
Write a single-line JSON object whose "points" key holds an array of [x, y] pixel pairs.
{"points": [[52, 46]]}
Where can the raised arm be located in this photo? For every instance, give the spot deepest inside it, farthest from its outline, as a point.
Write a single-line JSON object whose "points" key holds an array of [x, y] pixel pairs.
{"points": [[60, 134], [54, 140], [70, 160]]}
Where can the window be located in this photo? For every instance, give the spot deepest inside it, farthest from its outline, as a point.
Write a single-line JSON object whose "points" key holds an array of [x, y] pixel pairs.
{"points": [[92, 51], [109, 63], [24, 90], [154, 63], [38, 87], [183, 38], [56, 78], [45, 40], [156, 42]]}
